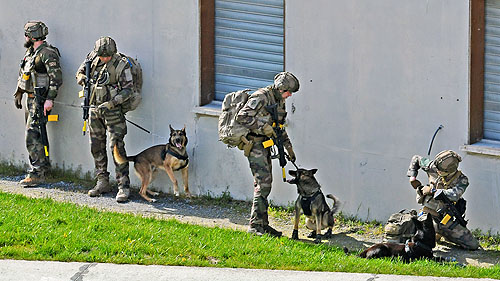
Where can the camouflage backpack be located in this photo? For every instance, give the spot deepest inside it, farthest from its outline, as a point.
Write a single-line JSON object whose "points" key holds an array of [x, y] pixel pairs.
{"points": [[230, 131], [400, 227], [135, 67]]}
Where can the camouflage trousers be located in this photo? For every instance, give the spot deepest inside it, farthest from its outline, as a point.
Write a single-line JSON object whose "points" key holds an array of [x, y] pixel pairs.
{"points": [[39, 163], [114, 123], [260, 165], [459, 235]]}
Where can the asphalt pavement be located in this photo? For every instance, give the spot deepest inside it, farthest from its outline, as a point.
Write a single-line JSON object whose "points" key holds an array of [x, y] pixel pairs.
{"points": [[19, 270]]}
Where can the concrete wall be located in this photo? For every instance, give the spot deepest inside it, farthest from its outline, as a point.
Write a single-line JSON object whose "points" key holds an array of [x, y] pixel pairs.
{"points": [[377, 79], [163, 35]]}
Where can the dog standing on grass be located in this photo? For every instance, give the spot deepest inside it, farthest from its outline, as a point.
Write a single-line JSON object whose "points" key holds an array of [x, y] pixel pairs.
{"points": [[169, 157], [312, 203]]}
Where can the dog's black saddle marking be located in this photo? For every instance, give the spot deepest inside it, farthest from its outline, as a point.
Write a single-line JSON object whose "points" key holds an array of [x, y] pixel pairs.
{"points": [[305, 202], [164, 153]]}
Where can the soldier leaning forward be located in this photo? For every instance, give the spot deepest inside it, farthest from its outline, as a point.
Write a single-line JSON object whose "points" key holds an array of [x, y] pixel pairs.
{"points": [[443, 174], [255, 117], [111, 85], [39, 68]]}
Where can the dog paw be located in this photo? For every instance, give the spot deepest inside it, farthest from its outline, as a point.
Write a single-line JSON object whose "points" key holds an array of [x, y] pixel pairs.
{"points": [[312, 234], [295, 234], [154, 193], [317, 240], [176, 194], [328, 234], [152, 200]]}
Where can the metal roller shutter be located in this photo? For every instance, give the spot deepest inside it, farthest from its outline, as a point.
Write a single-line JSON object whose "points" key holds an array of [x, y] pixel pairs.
{"points": [[492, 71], [248, 44]]}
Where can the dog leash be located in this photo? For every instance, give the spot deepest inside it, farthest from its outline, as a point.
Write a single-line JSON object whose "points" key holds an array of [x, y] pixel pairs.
{"points": [[93, 106]]}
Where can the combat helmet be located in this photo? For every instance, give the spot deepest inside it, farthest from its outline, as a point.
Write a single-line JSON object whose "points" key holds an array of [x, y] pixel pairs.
{"points": [[447, 161], [286, 81], [105, 46], [36, 30]]}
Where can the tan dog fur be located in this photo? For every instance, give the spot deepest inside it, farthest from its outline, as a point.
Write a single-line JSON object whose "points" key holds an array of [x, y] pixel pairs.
{"points": [[146, 163]]}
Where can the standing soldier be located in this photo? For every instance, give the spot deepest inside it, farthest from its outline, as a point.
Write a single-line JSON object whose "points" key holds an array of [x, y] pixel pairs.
{"points": [[443, 174], [111, 84], [39, 68], [255, 117]]}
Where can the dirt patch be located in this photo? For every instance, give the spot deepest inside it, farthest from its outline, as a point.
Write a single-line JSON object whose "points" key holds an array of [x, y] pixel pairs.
{"points": [[232, 215]]}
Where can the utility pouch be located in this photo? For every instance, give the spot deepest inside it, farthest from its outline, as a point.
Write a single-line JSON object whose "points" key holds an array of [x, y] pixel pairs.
{"points": [[101, 94]]}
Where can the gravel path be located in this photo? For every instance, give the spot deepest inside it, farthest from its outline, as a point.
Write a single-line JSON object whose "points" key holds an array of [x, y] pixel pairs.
{"points": [[232, 216]]}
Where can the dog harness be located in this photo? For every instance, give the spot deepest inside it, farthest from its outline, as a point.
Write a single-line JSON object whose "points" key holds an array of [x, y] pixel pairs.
{"points": [[164, 153], [305, 202]]}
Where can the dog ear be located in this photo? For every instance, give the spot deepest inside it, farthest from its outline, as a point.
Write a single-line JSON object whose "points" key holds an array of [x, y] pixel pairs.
{"points": [[314, 171], [417, 223], [184, 129], [171, 129], [292, 173]]}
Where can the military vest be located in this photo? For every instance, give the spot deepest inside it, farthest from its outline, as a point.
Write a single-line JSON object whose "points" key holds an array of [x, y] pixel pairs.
{"points": [[33, 72]]}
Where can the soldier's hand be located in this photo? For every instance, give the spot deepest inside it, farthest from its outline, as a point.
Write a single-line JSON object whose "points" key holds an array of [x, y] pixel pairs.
{"points": [[415, 183], [426, 190], [291, 154], [47, 106], [268, 131], [81, 78], [18, 97], [106, 106]]}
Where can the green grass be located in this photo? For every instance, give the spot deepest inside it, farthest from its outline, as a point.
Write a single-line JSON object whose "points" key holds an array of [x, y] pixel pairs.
{"points": [[42, 229]]}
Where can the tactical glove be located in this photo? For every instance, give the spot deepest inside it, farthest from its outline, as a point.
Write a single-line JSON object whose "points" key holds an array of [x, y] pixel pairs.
{"points": [[291, 154], [268, 131], [106, 106], [415, 183], [81, 78], [426, 190], [18, 97]]}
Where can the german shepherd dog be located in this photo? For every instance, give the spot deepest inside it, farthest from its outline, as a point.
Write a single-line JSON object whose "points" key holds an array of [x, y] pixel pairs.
{"points": [[312, 203], [169, 157], [419, 246]]}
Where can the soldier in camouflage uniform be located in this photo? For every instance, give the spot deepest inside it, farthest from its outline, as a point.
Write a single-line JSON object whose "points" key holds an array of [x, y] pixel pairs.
{"points": [[443, 174], [256, 118], [111, 85], [39, 68]]}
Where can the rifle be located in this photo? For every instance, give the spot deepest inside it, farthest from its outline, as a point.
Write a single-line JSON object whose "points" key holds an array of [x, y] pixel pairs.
{"points": [[40, 118], [85, 93], [278, 141], [450, 210]]}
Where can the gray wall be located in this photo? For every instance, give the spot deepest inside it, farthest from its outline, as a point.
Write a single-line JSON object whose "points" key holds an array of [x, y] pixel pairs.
{"points": [[377, 79]]}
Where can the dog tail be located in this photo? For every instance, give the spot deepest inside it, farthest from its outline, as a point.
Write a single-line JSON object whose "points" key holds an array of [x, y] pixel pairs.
{"points": [[336, 203], [120, 159]]}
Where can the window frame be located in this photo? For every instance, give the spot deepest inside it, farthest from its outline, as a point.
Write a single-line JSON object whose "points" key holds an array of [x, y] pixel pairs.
{"points": [[476, 90]]}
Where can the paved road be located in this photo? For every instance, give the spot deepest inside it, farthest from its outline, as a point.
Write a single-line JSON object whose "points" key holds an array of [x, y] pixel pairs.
{"points": [[14, 270]]}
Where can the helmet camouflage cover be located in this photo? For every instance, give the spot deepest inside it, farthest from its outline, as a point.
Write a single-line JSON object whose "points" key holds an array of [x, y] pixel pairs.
{"points": [[447, 161], [105, 46], [36, 30], [286, 81]]}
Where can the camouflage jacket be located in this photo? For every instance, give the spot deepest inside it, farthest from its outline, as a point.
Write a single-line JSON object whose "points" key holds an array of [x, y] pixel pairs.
{"points": [[117, 87], [43, 64], [254, 114], [454, 185]]}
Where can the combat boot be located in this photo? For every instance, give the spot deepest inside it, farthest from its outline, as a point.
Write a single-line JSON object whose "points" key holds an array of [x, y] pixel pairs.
{"points": [[271, 231], [122, 195], [102, 186], [32, 180], [256, 229]]}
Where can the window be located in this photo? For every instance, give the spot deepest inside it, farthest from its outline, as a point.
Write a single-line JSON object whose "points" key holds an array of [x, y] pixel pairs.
{"points": [[242, 45]]}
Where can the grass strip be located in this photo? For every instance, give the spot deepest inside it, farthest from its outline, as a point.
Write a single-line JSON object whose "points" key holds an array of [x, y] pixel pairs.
{"points": [[43, 229]]}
